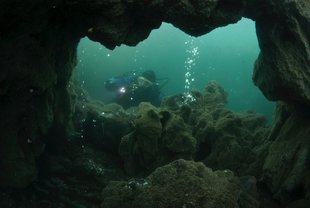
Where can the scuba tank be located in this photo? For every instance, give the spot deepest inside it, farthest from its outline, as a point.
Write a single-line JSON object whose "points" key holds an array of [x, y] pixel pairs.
{"points": [[117, 82]]}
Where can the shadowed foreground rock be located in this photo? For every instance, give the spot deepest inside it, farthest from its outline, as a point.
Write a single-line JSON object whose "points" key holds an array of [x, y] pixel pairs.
{"points": [[179, 184], [159, 137], [286, 169]]}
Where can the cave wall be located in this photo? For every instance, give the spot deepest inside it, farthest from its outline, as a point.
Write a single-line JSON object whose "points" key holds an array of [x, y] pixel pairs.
{"points": [[37, 58], [286, 168], [283, 67], [38, 41]]}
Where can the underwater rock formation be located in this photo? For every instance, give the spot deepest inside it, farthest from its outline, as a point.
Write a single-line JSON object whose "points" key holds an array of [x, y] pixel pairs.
{"points": [[180, 184], [286, 169], [105, 125], [230, 143], [159, 138], [73, 174], [34, 99], [99, 124], [282, 68], [128, 22], [225, 139]]}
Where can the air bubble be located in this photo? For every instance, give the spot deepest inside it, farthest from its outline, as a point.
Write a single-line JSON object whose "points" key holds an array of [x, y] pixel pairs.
{"points": [[190, 62]]}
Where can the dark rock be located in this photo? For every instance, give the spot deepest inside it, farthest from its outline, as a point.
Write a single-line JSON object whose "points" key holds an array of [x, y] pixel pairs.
{"points": [[178, 184], [303, 203], [281, 68], [31, 106], [213, 95], [232, 144], [159, 137], [225, 139], [286, 169], [99, 124], [105, 125]]}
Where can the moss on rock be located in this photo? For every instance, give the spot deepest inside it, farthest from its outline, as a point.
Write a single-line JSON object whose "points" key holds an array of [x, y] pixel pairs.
{"points": [[178, 184], [159, 137]]}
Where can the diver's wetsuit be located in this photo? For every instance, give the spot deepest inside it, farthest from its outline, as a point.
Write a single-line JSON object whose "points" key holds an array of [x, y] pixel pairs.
{"points": [[132, 89], [136, 94]]}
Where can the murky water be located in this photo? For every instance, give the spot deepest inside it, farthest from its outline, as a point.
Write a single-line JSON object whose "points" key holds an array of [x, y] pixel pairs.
{"points": [[226, 54]]}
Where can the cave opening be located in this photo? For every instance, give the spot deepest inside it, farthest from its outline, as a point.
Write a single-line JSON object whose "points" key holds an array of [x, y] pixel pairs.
{"points": [[58, 148], [226, 55]]}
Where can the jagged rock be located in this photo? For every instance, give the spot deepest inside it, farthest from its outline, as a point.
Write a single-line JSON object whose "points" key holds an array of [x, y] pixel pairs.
{"points": [[102, 125], [179, 184], [281, 70], [159, 137], [232, 144], [71, 176], [213, 95], [30, 107], [105, 125], [286, 169], [225, 139]]}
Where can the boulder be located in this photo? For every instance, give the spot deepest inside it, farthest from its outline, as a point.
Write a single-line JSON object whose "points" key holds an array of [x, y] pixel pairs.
{"points": [[159, 137], [179, 184]]}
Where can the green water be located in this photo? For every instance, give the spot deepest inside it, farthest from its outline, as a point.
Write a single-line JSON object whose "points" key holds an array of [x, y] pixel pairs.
{"points": [[226, 54]]}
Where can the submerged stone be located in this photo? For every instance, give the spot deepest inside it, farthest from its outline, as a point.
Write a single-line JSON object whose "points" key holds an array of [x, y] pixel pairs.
{"points": [[159, 137], [180, 184]]}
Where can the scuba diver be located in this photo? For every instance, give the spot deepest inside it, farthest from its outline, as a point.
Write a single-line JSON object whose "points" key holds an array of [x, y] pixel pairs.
{"points": [[133, 87]]}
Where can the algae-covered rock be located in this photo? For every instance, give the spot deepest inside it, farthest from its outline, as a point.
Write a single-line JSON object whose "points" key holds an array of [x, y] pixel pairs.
{"points": [[281, 69], [225, 139], [213, 95], [234, 142], [103, 125], [179, 184], [140, 148], [177, 137], [286, 168], [159, 137]]}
